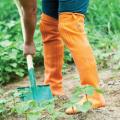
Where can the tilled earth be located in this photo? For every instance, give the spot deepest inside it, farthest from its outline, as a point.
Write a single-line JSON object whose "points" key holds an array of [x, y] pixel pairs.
{"points": [[110, 82]]}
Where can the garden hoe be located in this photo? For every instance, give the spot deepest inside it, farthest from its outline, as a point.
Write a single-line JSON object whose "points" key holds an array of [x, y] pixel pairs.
{"points": [[34, 92]]}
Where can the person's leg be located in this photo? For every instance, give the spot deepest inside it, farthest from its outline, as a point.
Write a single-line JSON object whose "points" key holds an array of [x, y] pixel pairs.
{"points": [[53, 46], [71, 28]]}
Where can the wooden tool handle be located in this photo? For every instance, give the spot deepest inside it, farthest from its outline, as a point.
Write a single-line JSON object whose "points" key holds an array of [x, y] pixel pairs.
{"points": [[29, 61]]}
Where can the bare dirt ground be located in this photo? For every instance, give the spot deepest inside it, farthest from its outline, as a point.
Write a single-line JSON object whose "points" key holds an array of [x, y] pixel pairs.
{"points": [[110, 82]]}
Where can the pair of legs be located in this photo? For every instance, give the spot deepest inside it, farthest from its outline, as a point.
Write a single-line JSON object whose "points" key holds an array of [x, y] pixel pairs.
{"points": [[52, 25], [63, 21]]}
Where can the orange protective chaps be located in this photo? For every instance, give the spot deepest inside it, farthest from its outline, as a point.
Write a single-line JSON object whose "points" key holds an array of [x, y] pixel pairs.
{"points": [[53, 53], [71, 28]]}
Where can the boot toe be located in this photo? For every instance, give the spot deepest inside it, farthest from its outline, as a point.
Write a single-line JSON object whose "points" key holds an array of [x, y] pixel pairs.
{"points": [[71, 111]]}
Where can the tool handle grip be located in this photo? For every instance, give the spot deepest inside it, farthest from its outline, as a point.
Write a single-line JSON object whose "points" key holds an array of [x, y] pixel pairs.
{"points": [[29, 61]]}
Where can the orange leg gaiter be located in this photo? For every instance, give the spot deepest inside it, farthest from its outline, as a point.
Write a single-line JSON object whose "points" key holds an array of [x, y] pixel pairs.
{"points": [[53, 53], [71, 27]]}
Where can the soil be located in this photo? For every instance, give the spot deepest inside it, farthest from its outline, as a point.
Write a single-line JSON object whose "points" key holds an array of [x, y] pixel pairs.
{"points": [[110, 82]]}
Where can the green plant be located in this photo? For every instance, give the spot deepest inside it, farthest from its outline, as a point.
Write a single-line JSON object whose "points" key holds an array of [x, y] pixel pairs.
{"points": [[85, 91], [12, 106]]}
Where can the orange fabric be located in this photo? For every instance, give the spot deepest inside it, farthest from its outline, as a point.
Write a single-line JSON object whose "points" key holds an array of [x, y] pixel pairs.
{"points": [[53, 53], [71, 27]]}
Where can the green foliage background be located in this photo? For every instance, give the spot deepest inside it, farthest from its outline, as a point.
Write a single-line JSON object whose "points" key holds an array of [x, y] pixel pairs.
{"points": [[102, 26]]}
